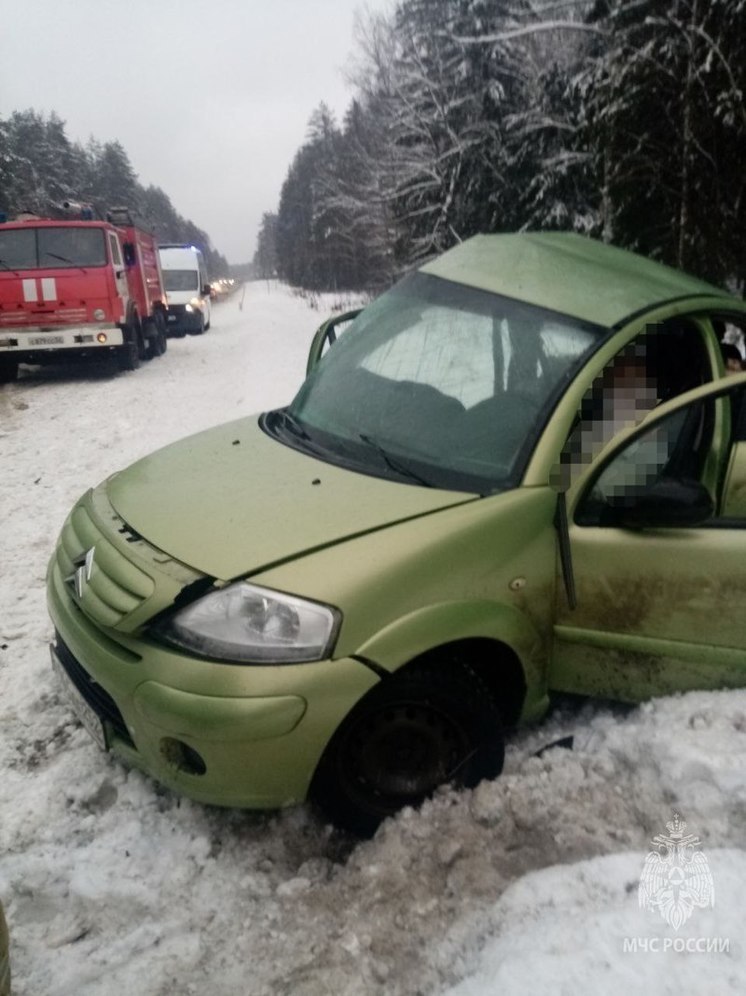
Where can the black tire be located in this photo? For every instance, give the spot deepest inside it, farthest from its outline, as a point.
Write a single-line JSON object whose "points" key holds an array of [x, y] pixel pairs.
{"points": [[142, 343], [416, 730], [200, 327], [157, 338], [128, 357], [8, 370]]}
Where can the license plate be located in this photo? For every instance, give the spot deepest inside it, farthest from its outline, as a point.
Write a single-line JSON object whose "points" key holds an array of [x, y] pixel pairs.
{"points": [[90, 721], [172, 318], [46, 340]]}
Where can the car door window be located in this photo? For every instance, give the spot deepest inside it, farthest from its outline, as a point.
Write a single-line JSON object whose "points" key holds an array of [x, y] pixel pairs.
{"points": [[702, 444], [673, 452], [661, 363]]}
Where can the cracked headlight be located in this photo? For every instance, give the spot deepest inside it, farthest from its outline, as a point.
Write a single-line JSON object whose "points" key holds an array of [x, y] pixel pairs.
{"points": [[246, 623]]}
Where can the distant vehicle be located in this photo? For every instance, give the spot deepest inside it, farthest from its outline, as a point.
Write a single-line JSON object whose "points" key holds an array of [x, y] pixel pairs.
{"points": [[520, 470], [79, 288], [188, 289]]}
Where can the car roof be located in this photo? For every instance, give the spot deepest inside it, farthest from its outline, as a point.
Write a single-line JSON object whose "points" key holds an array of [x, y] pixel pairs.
{"points": [[570, 274]]}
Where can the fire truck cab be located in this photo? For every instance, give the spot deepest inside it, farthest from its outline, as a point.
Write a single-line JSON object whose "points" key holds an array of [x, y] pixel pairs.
{"points": [[79, 288]]}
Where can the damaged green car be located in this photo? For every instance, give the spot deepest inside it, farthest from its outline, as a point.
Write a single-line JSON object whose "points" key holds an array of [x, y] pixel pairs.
{"points": [[520, 470]]}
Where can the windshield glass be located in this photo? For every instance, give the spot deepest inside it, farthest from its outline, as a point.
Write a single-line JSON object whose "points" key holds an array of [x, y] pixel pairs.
{"points": [[438, 383], [180, 280], [18, 248], [34, 248]]}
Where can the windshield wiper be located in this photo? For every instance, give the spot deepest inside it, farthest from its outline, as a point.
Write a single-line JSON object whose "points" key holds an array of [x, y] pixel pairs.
{"points": [[8, 268], [393, 463], [64, 259], [292, 425]]}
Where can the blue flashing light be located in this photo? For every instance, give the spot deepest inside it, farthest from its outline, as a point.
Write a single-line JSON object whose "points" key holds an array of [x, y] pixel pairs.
{"points": [[3, 217]]}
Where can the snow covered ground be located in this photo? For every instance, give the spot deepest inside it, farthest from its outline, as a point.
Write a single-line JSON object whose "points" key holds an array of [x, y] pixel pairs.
{"points": [[113, 885]]}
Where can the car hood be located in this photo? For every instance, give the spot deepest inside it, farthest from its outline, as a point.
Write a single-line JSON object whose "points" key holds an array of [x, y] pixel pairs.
{"points": [[232, 501]]}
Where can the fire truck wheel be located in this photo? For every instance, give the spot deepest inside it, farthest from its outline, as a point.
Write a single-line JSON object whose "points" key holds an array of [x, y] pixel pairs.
{"points": [[142, 344], [8, 370], [129, 355], [156, 339], [160, 344], [160, 322]]}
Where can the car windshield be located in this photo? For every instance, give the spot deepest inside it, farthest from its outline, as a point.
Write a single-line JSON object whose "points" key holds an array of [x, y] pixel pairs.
{"points": [[180, 280], [34, 248], [438, 383]]}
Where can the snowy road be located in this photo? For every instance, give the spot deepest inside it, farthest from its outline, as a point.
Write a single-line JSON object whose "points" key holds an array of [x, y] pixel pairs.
{"points": [[113, 885]]}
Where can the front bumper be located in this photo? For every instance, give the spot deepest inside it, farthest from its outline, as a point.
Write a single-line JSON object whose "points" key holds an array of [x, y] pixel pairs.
{"points": [[47, 339], [228, 735], [181, 320]]}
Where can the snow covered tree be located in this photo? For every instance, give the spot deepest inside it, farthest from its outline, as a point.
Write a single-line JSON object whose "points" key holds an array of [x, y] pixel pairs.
{"points": [[160, 216], [312, 238], [43, 167], [114, 181], [476, 135], [548, 170], [615, 118], [444, 124], [350, 200], [666, 123], [265, 257]]}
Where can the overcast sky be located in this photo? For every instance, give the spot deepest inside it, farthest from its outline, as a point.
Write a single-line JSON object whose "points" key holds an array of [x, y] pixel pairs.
{"points": [[210, 98]]}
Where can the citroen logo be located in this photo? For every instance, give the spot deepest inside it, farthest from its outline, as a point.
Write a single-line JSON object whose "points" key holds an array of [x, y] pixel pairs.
{"points": [[83, 569]]}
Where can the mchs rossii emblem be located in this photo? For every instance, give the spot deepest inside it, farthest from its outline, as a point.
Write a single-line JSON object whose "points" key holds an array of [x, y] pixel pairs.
{"points": [[676, 878]]}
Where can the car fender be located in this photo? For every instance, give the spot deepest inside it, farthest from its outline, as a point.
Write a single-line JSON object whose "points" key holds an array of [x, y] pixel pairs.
{"points": [[443, 623]]}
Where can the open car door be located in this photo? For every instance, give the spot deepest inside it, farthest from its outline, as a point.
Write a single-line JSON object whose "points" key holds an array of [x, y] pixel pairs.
{"points": [[656, 551], [326, 335]]}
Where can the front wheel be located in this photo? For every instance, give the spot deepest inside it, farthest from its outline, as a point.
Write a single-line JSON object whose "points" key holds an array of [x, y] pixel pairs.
{"points": [[416, 730], [128, 355], [199, 330], [157, 338]]}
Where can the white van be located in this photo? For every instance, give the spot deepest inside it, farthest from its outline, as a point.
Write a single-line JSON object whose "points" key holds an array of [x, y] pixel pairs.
{"points": [[187, 288]]}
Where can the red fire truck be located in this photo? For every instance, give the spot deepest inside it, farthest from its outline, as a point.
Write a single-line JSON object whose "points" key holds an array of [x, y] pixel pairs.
{"points": [[79, 288]]}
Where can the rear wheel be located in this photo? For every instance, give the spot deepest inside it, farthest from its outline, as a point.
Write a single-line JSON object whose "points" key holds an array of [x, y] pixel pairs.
{"points": [[416, 730]]}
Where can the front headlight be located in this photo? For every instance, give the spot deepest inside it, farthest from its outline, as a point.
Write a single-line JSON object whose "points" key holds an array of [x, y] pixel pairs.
{"points": [[247, 623]]}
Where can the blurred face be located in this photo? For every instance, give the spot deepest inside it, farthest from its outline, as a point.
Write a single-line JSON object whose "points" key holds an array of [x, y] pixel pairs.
{"points": [[633, 392], [733, 365]]}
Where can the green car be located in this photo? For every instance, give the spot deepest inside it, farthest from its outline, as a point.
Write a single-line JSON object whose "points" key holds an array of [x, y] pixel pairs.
{"points": [[518, 471]]}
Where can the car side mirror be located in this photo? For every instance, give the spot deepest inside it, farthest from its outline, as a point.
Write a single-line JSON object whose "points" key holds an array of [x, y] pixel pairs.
{"points": [[669, 502], [207, 290]]}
